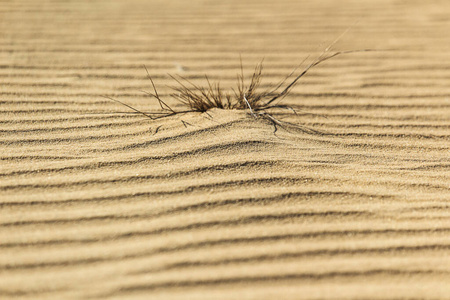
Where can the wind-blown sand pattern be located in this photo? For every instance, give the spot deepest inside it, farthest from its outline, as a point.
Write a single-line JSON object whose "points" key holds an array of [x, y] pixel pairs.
{"points": [[99, 202]]}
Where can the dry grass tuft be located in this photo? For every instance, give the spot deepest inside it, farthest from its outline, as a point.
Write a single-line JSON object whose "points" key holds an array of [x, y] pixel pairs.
{"points": [[202, 98]]}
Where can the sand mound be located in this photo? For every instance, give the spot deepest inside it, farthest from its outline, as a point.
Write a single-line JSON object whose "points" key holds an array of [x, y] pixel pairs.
{"points": [[99, 202]]}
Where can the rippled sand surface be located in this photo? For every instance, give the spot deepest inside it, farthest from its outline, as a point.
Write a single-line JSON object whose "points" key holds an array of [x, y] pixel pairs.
{"points": [[99, 202]]}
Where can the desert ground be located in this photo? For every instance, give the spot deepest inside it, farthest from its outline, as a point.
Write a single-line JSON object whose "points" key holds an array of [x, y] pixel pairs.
{"points": [[100, 202]]}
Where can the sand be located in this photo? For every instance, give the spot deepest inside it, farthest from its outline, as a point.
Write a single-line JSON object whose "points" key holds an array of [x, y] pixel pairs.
{"points": [[99, 202]]}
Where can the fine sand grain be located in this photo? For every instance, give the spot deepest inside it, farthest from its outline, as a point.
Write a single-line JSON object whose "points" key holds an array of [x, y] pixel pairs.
{"points": [[99, 202]]}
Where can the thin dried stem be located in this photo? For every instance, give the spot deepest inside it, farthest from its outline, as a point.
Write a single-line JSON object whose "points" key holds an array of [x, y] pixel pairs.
{"points": [[250, 107], [163, 105], [131, 107]]}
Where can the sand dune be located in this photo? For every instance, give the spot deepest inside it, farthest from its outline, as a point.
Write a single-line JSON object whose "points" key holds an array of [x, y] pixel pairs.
{"points": [[99, 202]]}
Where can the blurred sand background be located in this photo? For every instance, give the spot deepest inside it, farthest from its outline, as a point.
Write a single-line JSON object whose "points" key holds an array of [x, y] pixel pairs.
{"points": [[99, 202]]}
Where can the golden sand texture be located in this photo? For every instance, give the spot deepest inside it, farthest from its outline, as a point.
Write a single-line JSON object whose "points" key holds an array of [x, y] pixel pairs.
{"points": [[97, 202]]}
